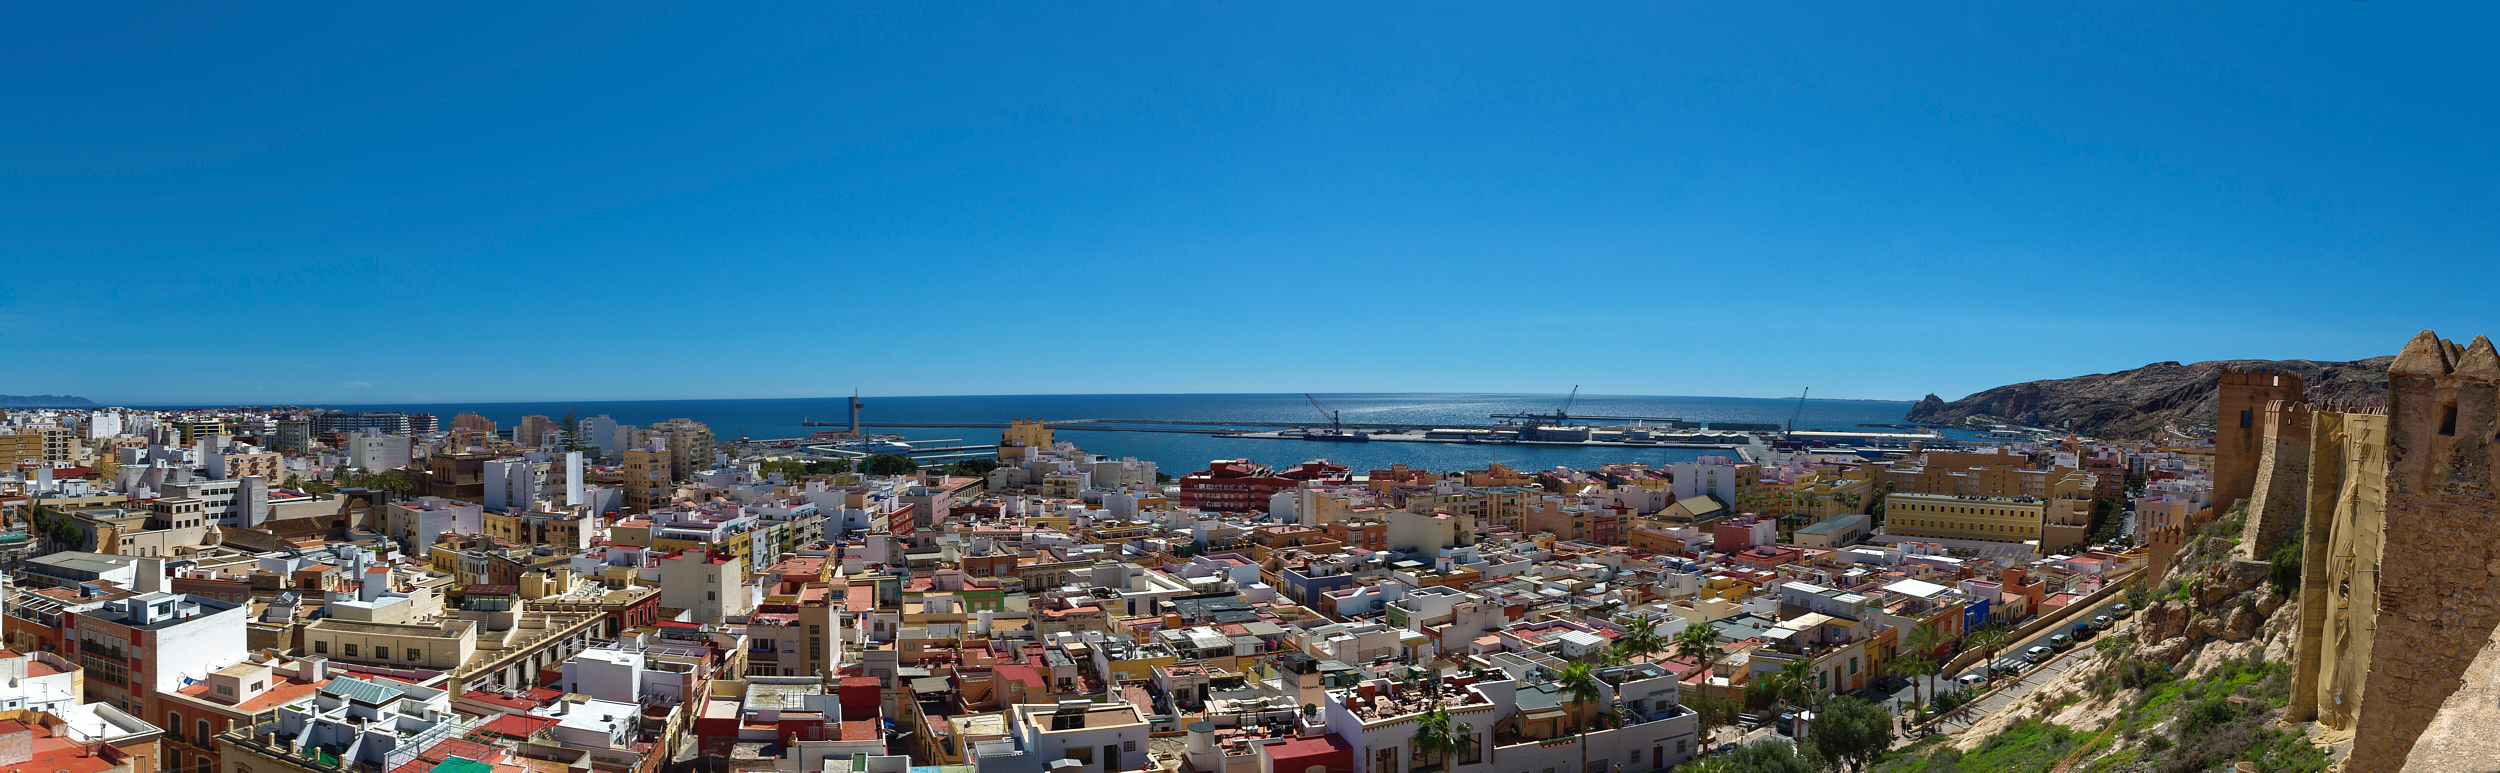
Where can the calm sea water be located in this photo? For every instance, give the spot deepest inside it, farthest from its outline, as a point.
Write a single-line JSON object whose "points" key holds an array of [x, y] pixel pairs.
{"points": [[1179, 453]]}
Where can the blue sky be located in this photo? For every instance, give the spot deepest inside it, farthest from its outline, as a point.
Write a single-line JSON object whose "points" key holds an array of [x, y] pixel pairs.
{"points": [[340, 203]]}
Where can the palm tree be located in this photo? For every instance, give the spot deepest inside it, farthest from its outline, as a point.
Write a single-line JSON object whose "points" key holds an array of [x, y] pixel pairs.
{"points": [[1641, 637], [1462, 739], [1918, 646], [1988, 639], [1433, 735], [1581, 685], [1912, 667], [1796, 676], [1698, 643]]}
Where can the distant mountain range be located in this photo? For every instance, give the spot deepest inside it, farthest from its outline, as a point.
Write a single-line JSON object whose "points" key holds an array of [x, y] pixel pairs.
{"points": [[46, 401], [2138, 403]]}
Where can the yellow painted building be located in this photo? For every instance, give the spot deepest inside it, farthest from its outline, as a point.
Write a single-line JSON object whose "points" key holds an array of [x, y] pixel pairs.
{"points": [[1021, 438], [1979, 519], [1820, 496]]}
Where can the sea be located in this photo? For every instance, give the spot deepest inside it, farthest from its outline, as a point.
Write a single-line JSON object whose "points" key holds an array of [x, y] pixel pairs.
{"points": [[1176, 453]]}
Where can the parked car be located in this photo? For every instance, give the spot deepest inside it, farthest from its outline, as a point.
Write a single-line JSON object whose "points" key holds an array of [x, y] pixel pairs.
{"points": [[2061, 641], [1969, 681], [2102, 621], [1787, 721], [2037, 654], [2081, 631], [2120, 607]]}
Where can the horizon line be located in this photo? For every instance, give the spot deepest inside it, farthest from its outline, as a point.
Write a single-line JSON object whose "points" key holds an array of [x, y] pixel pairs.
{"points": [[182, 406]]}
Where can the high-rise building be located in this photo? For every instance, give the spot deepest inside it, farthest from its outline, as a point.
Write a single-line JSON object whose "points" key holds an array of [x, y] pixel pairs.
{"points": [[689, 445], [194, 429], [293, 435], [342, 423], [422, 423], [533, 430], [19, 446], [473, 422], [598, 432], [513, 484], [708, 585], [647, 480], [103, 424], [375, 451], [460, 476]]}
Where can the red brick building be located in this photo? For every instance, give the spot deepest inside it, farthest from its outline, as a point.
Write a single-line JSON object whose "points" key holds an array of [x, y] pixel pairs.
{"points": [[1236, 486]]}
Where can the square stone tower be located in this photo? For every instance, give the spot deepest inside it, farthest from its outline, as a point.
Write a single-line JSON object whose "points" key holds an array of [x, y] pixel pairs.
{"points": [[2240, 430], [2438, 571]]}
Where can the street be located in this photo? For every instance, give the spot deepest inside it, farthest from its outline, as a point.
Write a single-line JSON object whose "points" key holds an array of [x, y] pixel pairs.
{"points": [[2031, 677]]}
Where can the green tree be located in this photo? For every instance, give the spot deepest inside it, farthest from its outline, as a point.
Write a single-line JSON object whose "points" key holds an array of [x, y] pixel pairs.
{"points": [[1714, 712], [1850, 732], [2285, 572], [975, 468], [1579, 683], [1773, 758], [892, 464]]}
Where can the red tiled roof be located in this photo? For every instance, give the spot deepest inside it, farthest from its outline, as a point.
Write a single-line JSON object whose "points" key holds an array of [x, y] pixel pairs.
{"points": [[517, 726]]}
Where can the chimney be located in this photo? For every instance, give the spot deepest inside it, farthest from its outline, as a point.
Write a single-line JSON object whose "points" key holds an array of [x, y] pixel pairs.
{"points": [[151, 576], [312, 668]]}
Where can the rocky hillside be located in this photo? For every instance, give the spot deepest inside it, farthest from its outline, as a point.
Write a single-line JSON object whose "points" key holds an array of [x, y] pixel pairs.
{"points": [[2201, 679], [2139, 402]]}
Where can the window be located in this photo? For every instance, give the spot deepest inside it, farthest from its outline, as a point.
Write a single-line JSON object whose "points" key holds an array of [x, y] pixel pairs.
{"points": [[1128, 746], [350, 649], [321, 648], [2246, 418], [208, 738], [2447, 419], [414, 654], [1853, 666], [381, 653]]}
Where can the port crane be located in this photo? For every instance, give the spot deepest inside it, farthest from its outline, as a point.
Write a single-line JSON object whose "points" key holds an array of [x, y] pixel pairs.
{"points": [[1801, 409], [1561, 417], [1334, 425]]}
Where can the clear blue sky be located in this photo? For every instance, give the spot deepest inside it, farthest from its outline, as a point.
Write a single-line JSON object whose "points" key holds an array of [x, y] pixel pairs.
{"points": [[338, 203]]}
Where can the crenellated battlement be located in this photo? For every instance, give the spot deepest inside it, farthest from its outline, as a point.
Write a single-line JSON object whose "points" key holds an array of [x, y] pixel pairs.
{"points": [[2287, 420], [2436, 589]]}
